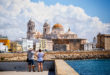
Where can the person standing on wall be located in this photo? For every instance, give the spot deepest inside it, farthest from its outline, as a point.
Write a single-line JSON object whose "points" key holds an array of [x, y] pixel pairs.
{"points": [[40, 56], [30, 59]]}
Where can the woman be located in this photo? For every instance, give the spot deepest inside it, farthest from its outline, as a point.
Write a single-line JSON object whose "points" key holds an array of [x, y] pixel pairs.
{"points": [[40, 56]]}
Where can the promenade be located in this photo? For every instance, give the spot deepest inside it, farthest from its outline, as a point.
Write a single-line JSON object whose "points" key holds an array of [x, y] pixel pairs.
{"points": [[26, 73], [56, 67], [21, 68]]}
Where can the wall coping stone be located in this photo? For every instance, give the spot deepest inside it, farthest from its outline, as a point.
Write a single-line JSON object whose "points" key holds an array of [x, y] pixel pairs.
{"points": [[62, 68]]}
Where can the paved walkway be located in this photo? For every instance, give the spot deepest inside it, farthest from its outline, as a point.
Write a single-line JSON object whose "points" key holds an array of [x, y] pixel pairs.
{"points": [[25, 73]]}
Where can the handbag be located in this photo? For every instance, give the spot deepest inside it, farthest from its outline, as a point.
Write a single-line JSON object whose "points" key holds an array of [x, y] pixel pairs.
{"points": [[27, 60]]}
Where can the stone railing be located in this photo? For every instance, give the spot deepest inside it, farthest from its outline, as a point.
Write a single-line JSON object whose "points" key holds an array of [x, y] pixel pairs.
{"points": [[23, 66], [62, 68]]}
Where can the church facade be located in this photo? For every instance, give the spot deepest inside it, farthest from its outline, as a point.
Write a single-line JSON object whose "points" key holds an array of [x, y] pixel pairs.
{"points": [[31, 32], [61, 40], [56, 33]]}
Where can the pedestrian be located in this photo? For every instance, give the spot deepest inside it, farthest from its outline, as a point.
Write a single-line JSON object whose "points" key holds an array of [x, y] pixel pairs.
{"points": [[40, 56], [30, 59]]}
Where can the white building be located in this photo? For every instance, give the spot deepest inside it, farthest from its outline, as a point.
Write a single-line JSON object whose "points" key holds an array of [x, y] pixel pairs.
{"points": [[88, 47], [49, 45], [43, 44], [94, 42], [37, 44], [40, 44], [27, 44], [3, 48]]}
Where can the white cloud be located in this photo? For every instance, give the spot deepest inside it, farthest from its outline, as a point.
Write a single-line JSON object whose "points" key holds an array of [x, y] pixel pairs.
{"points": [[14, 15]]}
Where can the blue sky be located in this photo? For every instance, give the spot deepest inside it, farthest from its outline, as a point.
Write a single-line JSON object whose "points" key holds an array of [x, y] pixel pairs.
{"points": [[99, 8], [86, 18]]}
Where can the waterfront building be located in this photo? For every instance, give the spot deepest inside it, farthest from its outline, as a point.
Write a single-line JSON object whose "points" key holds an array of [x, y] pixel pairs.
{"points": [[68, 44], [21, 45], [36, 44], [27, 44], [103, 41], [43, 44], [88, 47], [49, 45], [94, 42], [15, 47], [5, 41], [3, 48]]}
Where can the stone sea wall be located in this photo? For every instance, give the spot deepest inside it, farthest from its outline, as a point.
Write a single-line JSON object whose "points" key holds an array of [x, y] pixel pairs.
{"points": [[79, 55], [57, 55], [62, 68]]}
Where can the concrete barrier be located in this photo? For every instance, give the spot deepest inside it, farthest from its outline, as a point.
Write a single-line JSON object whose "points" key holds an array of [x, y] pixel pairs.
{"points": [[62, 68], [23, 66]]}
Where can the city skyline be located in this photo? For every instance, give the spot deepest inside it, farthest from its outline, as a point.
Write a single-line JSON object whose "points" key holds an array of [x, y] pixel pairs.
{"points": [[14, 16]]}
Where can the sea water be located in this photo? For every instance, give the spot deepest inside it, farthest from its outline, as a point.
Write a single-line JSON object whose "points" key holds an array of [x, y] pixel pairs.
{"points": [[91, 66]]}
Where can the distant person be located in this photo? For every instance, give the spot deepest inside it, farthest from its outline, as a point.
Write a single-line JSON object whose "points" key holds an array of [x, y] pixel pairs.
{"points": [[40, 56], [30, 59]]}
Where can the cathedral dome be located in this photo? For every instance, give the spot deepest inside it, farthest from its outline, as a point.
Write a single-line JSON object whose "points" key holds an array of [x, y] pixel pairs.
{"points": [[57, 26], [38, 33], [57, 29]]}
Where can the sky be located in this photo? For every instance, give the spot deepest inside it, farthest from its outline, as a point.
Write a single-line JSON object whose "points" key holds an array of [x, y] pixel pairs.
{"points": [[100, 8], [86, 18]]}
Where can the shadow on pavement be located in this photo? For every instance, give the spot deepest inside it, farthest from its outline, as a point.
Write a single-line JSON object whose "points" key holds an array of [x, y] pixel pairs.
{"points": [[51, 73]]}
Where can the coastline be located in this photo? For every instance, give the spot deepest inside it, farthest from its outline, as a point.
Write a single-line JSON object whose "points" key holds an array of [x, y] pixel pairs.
{"points": [[65, 55]]}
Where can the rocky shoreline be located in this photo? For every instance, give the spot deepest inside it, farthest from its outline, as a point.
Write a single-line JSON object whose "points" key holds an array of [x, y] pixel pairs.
{"points": [[66, 55]]}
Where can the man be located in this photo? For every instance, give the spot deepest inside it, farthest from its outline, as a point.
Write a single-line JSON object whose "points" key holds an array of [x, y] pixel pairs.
{"points": [[40, 56], [30, 59]]}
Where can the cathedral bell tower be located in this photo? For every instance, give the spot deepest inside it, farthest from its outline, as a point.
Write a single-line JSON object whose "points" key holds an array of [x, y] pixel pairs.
{"points": [[30, 29], [46, 29]]}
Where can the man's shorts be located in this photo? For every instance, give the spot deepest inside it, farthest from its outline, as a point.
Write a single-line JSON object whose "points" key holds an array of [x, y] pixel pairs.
{"points": [[30, 62]]}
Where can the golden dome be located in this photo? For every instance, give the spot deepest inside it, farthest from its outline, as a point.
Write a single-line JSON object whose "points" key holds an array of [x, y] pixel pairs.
{"points": [[57, 26], [38, 33]]}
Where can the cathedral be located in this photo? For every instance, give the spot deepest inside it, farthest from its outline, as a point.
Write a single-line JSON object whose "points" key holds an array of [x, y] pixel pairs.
{"points": [[56, 33], [61, 40]]}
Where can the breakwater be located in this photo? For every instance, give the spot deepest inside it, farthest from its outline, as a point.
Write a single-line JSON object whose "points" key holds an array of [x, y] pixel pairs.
{"points": [[80, 55], [62, 68], [57, 55]]}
